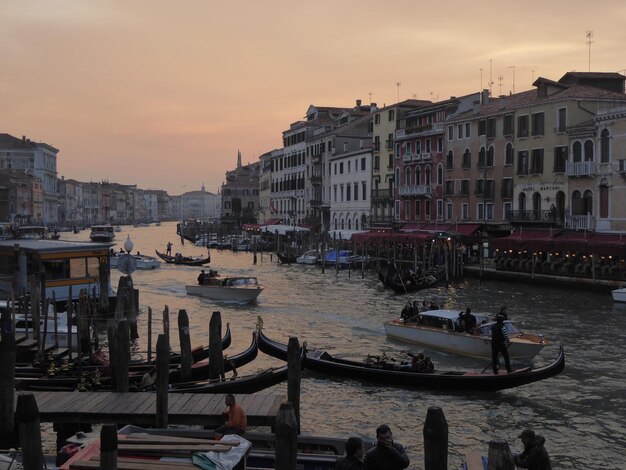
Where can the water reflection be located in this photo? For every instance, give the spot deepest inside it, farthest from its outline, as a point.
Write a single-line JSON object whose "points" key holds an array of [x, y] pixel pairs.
{"points": [[581, 412]]}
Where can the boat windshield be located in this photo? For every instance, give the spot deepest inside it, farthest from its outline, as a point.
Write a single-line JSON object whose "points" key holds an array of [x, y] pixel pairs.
{"points": [[485, 329], [249, 281]]}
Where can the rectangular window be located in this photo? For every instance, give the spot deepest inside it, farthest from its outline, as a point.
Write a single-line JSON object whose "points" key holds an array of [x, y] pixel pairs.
{"points": [[522, 162], [407, 149], [536, 162], [460, 131], [467, 130], [341, 192], [449, 211], [376, 143], [464, 187], [506, 210], [482, 127], [538, 123], [377, 118], [397, 150], [349, 166], [341, 168], [439, 144], [390, 141], [479, 186], [376, 162], [449, 161], [508, 125], [560, 157], [480, 211], [396, 212], [392, 115], [335, 193], [449, 187], [363, 164], [356, 191], [417, 147], [427, 145], [407, 210], [491, 127], [507, 188], [348, 192], [561, 120], [465, 211], [427, 210], [335, 168], [522, 126], [364, 193], [489, 210], [450, 132], [439, 209]]}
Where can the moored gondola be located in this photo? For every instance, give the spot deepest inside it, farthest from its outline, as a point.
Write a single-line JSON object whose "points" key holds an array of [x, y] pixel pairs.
{"points": [[183, 260], [322, 361], [408, 284]]}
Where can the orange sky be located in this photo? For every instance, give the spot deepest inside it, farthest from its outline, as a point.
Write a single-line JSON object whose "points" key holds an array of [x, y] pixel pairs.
{"points": [[162, 93]]}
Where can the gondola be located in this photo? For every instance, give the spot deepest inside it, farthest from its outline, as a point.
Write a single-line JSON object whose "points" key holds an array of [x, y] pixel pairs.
{"points": [[405, 285], [322, 361], [242, 384], [286, 258], [185, 260], [199, 372]]}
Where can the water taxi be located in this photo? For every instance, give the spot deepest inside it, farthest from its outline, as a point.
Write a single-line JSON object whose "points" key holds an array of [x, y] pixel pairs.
{"points": [[102, 233]]}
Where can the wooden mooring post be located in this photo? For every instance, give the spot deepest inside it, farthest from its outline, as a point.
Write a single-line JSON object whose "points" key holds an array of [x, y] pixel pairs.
{"points": [[162, 380], [294, 376], [286, 438], [216, 354], [435, 439], [27, 417], [500, 456], [185, 345], [108, 447], [7, 381]]}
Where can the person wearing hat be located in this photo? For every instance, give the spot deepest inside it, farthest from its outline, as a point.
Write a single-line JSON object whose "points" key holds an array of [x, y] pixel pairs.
{"points": [[535, 455], [499, 344], [503, 313]]}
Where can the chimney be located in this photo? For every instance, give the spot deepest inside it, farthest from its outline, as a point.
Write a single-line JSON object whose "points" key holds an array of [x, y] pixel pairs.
{"points": [[358, 103], [485, 97], [23, 138]]}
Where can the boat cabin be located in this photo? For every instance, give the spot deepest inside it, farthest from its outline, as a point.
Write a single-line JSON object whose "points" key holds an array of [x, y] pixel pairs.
{"points": [[102, 233], [449, 320], [55, 265]]}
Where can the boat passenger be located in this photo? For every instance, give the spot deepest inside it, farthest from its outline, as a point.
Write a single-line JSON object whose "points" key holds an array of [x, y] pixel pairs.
{"points": [[433, 306], [201, 277], [535, 455], [354, 455], [460, 326], [470, 320]]}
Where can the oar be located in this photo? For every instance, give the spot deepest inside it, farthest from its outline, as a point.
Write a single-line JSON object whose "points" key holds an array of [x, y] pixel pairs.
{"points": [[488, 366]]}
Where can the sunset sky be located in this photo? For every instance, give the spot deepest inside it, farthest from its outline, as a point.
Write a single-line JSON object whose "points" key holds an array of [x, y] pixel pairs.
{"points": [[163, 93]]}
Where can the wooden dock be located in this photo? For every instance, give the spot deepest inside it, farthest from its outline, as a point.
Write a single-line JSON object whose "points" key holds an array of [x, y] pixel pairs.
{"points": [[139, 408]]}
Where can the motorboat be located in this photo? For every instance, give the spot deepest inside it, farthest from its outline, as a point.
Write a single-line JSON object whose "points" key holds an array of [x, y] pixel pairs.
{"points": [[102, 233], [439, 329], [54, 335], [344, 258], [308, 257], [32, 232], [619, 295], [142, 261], [229, 289]]}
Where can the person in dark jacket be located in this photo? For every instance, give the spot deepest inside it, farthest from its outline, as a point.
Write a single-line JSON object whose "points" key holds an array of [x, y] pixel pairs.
{"points": [[386, 454], [354, 455], [499, 344], [535, 455]]}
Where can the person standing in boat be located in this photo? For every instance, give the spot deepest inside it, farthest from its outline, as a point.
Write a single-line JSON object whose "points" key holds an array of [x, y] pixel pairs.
{"points": [[168, 249], [201, 277], [386, 454], [354, 455], [499, 344], [470, 320]]}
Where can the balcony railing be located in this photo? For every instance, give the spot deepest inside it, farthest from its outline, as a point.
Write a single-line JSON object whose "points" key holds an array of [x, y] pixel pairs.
{"points": [[417, 190], [381, 194], [549, 216], [580, 222], [316, 179], [406, 157], [580, 168]]}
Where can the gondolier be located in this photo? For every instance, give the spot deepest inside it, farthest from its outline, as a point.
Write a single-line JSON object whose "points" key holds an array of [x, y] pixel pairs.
{"points": [[500, 344]]}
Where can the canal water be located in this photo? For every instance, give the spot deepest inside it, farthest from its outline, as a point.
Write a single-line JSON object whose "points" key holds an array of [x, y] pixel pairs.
{"points": [[581, 412]]}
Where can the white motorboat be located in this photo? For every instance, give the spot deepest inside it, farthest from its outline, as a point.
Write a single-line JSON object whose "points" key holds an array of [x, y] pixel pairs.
{"points": [[437, 329], [229, 289], [102, 233], [619, 295], [143, 261], [24, 326], [308, 257]]}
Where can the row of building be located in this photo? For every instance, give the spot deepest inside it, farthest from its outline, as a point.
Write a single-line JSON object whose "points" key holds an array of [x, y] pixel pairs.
{"points": [[550, 156]]}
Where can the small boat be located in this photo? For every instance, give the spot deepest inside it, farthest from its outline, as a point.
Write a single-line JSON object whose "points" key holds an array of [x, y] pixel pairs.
{"points": [[407, 284], [322, 361], [345, 258], [118, 228], [619, 295], [438, 329], [142, 261], [102, 233], [31, 232], [232, 289], [183, 260], [24, 325], [286, 258], [308, 257]]}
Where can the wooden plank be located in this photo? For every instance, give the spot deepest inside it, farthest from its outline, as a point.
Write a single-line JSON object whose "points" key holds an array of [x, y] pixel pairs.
{"points": [[125, 403], [266, 404], [174, 406], [185, 407], [198, 405], [157, 439], [162, 448], [95, 402], [214, 406], [132, 464], [148, 406], [62, 399]]}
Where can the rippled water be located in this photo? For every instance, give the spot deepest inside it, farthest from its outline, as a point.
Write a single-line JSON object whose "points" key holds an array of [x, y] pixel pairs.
{"points": [[581, 412]]}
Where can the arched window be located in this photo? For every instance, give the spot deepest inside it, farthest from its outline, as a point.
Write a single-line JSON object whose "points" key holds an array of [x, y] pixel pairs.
{"points": [[342, 223], [490, 154], [576, 203], [407, 176], [335, 223], [604, 147], [508, 154], [560, 205], [363, 222], [226, 204], [417, 175], [440, 174], [349, 224], [577, 152], [450, 160], [356, 223], [427, 179], [521, 202], [587, 202], [588, 150], [481, 157], [536, 206], [467, 158], [604, 199], [397, 181]]}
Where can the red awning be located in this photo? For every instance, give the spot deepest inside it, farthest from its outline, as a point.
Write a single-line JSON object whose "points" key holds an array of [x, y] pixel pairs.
{"points": [[539, 240], [272, 222]]}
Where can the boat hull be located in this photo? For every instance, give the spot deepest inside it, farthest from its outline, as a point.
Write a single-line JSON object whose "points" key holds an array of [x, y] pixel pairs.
{"points": [[460, 343], [619, 295], [241, 294]]}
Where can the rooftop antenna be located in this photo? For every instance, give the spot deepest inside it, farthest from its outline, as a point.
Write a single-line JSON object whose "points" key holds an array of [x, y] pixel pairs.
{"points": [[490, 76], [589, 36], [398, 86], [513, 67], [533, 76], [500, 78], [414, 96], [370, 93], [481, 78]]}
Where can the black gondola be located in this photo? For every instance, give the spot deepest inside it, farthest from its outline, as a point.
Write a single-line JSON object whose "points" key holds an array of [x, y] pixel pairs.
{"points": [[321, 361], [185, 260], [286, 258], [405, 285]]}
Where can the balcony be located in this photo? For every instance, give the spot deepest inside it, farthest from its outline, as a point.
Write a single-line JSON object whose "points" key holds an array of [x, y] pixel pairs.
{"points": [[580, 168], [316, 159], [316, 180], [417, 190], [580, 222], [425, 157], [315, 203], [548, 217], [380, 195], [406, 157]]}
